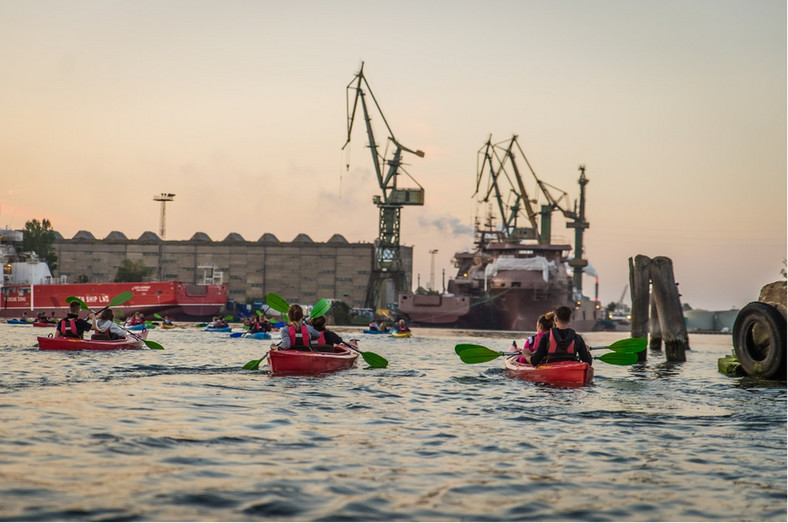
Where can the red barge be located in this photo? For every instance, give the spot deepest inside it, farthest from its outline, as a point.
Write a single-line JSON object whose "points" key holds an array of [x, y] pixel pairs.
{"points": [[28, 287]]}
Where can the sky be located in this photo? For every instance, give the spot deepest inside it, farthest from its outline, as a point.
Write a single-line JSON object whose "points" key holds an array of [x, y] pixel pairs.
{"points": [[676, 108]]}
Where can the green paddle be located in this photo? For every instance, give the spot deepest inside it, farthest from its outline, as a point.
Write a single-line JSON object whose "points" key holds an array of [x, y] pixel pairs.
{"points": [[375, 361], [255, 364], [277, 303], [629, 345], [320, 308], [120, 299], [469, 353]]}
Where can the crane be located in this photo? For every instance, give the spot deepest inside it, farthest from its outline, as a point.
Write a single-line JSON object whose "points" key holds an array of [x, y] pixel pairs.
{"points": [[387, 267], [505, 155], [163, 198]]}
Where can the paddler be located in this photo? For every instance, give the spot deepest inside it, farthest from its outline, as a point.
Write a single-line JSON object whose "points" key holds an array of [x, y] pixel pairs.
{"points": [[72, 326], [560, 343]]}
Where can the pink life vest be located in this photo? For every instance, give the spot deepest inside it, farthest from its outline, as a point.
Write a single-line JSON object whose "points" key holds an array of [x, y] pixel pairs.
{"points": [[303, 335], [68, 328]]}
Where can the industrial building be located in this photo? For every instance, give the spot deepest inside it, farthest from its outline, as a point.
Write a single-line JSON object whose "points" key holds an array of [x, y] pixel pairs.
{"points": [[301, 271]]}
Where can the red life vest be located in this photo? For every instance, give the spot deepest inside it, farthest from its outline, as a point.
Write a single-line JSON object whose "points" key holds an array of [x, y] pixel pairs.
{"points": [[321, 340], [67, 327], [303, 336], [552, 346]]}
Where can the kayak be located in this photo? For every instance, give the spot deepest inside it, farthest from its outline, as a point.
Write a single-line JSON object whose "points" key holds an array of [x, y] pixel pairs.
{"points": [[218, 329], [558, 372], [288, 361], [370, 331], [165, 326], [64, 343], [405, 334], [256, 335], [16, 321], [44, 324], [137, 327]]}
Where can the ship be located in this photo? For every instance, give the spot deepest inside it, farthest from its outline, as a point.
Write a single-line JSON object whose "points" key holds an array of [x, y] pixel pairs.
{"points": [[29, 287], [514, 274]]}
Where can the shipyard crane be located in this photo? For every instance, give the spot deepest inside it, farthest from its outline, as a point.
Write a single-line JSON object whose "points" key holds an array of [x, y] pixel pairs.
{"points": [[486, 161], [388, 271], [504, 154]]}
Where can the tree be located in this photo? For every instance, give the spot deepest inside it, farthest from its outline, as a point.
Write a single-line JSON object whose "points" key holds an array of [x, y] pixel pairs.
{"points": [[132, 271], [340, 311], [39, 237]]}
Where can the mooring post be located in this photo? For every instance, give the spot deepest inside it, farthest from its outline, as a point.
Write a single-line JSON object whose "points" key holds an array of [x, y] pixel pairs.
{"points": [[639, 275], [655, 342], [671, 317]]}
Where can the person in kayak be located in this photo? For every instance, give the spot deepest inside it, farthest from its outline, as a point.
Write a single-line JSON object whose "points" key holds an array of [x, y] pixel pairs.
{"points": [[543, 325], [297, 334], [105, 327], [327, 337], [72, 326], [560, 343]]}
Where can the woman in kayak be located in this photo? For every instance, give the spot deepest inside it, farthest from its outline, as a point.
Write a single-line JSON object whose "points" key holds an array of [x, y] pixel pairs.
{"points": [[560, 343], [543, 324], [297, 335]]}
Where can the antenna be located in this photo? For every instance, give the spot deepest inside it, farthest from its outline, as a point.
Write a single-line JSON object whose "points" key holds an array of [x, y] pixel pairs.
{"points": [[163, 198]]}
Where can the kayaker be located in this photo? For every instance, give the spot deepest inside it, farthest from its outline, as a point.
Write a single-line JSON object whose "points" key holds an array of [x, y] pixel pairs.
{"points": [[167, 321], [401, 327], [72, 326], [560, 343], [105, 327], [327, 337], [297, 335], [543, 324]]}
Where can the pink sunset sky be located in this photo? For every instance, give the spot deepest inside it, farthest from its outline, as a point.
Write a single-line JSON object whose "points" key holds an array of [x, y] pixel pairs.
{"points": [[676, 108]]}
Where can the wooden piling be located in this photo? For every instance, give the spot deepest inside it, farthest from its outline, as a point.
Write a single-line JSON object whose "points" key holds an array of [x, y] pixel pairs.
{"points": [[671, 317], [639, 275], [655, 341]]}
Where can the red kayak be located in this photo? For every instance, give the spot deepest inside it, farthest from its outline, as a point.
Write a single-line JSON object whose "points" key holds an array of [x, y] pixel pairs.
{"points": [[287, 361], [557, 372], [64, 343], [44, 324]]}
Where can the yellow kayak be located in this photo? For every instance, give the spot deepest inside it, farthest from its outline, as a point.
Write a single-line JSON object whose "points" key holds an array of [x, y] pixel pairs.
{"points": [[401, 334]]}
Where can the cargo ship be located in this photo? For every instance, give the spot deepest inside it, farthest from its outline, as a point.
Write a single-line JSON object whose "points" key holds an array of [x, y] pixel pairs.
{"points": [[514, 274], [29, 287]]}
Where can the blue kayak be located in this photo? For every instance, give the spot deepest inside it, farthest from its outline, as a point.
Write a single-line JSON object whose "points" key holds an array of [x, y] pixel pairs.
{"points": [[16, 321], [258, 335], [138, 327], [370, 331], [218, 329]]}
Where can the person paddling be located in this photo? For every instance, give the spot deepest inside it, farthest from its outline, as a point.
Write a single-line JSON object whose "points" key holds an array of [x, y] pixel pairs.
{"points": [[543, 325], [72, 326], [560, 343], [296, 335], [105, 328]]}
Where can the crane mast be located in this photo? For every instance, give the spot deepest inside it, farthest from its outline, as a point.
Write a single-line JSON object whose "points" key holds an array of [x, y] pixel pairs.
{"points": [[388, 276]]}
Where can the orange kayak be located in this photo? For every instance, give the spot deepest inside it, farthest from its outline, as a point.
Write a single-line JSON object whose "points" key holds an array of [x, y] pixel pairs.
{"points": [[287, 361], [64, 343]]}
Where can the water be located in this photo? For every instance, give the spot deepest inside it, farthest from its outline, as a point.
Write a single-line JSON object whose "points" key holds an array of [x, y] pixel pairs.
{"points": [[186, 434]]}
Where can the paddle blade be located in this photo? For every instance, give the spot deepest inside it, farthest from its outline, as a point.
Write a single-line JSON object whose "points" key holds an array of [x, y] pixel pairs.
{"points": [[157, 316], [153, 345], [618, 358], [121, 298], [475, 353], [255, 364], [375, 361], [259, 312], [236, 334], [277, 303], [320, 308], [82, 304], [629, 345]]}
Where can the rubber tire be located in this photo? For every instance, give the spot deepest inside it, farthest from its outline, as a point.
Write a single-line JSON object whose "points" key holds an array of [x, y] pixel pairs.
{"points": [[764, 357]]}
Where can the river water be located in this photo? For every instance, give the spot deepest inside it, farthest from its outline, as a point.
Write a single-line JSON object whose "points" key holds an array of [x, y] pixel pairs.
{"points": [[187, 434]]}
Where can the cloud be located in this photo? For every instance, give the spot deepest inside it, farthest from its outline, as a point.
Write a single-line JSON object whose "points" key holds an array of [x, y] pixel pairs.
{"points": [[446, 224]]}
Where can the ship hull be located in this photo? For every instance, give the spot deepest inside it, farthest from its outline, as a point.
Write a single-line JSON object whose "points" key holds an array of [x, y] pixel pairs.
{"points": [[181, 301]]}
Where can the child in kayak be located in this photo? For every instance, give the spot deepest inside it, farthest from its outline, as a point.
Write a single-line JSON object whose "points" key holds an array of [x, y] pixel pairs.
{"points": [[560, 343], [543, 324], [327, 337]]}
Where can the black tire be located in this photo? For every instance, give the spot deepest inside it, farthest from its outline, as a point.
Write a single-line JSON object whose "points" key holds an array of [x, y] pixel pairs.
{"points": [[759, 341]]}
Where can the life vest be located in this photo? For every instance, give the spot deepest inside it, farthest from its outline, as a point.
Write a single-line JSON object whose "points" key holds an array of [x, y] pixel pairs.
{"points": [[105, 334], [553, 352], [321, 340], [67, 327], [302, 336], [532, 343]]}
